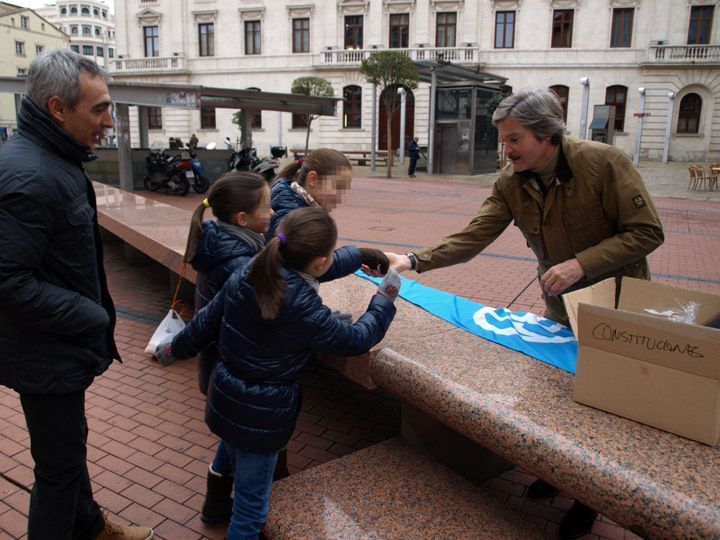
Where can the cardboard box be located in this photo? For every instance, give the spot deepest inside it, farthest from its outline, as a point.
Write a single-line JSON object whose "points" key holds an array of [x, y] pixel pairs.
{"points": [[648, 368]]}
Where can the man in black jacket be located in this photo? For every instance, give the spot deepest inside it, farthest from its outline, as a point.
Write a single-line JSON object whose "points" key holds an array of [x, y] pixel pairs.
{"points": [[413, 149], [56, 317]]}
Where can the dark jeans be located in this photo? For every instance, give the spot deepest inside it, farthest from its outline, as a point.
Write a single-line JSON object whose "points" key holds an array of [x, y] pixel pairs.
{"points": [[61, 504], [411, 168]]}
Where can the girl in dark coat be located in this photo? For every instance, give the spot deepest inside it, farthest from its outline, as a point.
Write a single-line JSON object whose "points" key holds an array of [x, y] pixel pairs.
{"points": [[270, 319], [241, 203], [319, 179]]}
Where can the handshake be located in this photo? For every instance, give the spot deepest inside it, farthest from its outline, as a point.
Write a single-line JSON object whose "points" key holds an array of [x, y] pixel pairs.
{"points": [[375, 262]]}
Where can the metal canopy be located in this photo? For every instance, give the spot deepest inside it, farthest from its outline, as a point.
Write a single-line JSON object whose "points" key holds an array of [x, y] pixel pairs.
{"points": [[193, 96], [447, 73]]}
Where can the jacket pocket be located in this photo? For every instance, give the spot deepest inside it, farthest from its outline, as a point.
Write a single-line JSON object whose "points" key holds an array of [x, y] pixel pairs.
{"points": [[586, 226], [530, 226], [75, 233]]}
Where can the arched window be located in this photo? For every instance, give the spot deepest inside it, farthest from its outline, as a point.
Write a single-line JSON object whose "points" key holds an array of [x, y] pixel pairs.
{"points": [[617, 95], [689, 114], [63, 10], [73, 10], [352, 108], [562, 93], [85, 10]]}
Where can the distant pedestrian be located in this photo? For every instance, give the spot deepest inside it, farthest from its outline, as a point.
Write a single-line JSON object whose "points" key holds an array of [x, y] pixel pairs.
{"points": [[56, 316], [413, 149], [193, 142], [269, 319]]}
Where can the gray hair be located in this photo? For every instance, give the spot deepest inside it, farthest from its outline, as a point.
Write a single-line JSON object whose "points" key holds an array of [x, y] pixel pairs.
{"points": [[57, 73], [538, 110]]}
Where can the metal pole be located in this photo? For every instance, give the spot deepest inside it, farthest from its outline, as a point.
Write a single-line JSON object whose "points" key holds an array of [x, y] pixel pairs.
{"points": [[373, 135], [638, 135], [668, 126], [125, 173], [403, 99], [431, 126], [585, 82]]}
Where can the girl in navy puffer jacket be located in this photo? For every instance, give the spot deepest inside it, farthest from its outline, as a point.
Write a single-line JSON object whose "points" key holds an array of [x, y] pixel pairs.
{"points": [[270, 319]]}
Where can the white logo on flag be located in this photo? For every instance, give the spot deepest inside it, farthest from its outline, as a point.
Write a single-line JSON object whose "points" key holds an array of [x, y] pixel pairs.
{"points": [[526, 325]]}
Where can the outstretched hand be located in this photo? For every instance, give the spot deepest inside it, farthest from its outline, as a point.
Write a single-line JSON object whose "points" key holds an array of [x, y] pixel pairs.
{"points": [[390, 285], [374, 259]]}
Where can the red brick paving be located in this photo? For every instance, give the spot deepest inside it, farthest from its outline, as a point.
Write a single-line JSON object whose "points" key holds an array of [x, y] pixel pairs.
{"points": [[148, 445]]}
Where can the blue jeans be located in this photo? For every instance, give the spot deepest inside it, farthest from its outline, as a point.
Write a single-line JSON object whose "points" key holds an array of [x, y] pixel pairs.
{"points": [[253, 481], [222, 463]]}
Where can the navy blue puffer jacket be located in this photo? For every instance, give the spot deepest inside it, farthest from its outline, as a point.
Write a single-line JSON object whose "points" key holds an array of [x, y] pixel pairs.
{"points": [[283, 200], [218, 254], [254, 395]]}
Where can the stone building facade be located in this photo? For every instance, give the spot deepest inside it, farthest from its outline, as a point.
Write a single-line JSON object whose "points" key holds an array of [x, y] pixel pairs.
{"points": [[669, 48]]}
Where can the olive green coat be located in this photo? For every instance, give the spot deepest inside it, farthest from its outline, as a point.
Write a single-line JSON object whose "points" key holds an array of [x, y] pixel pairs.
{"points": [[596, 210]]}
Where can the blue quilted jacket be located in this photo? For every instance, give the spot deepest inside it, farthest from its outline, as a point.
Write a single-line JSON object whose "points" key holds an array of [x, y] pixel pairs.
{"points": [[218, 254], [283, 200], [254, 394]]}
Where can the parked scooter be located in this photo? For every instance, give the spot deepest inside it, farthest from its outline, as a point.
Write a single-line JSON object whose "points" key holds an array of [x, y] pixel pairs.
{"points": [[196, 174], [166, 171], [246, 159]]}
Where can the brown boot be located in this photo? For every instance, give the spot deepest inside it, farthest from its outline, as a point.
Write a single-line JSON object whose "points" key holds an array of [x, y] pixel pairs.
{"points": [[113, 531], [217, 507], [281, 469]]}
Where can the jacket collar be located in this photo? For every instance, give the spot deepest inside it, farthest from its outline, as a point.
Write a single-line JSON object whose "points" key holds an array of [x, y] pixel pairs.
{"points": [[563, 172], [37, 124]]}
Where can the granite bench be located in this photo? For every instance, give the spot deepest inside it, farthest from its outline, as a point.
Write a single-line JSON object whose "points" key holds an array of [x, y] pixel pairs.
{"points": [[657, 484], [388, 490]]}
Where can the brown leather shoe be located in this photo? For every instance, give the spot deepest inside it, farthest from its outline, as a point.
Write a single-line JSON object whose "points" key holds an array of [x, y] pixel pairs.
{"points": [[113, 531]]}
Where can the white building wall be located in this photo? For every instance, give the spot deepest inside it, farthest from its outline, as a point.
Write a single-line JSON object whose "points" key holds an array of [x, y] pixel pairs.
{"points": [[531, 63]]}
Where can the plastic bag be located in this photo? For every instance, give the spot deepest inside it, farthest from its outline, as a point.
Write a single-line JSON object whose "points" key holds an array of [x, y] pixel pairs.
{"points": [[168, 328], [685, 313]]}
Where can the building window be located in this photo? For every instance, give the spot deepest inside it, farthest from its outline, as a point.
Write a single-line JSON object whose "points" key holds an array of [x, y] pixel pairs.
{"points": [[75, 48], [622, 24], [63, 11], [562, 93], [689, 114], [206, 39], [19, 48], [562, 28], [207, 118], [352, 106], [299, 121], [39, 49], [73, 10], [85, 10], [252, 37], [445, 24], [97, 31], [88, 50], [104, 14], [617, 95], [152, 41], [701, 18], [87, 31], [96, 12], [74, 30], [154, 117], [399, 30], [504, 29], [111, 52], [256, 121], [353, 31], [22, 72], [24, 21], [100, 52], [301, 35]]}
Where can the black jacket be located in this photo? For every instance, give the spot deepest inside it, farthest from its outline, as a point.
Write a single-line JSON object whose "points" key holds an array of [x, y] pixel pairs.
{"points": [[283, 201], [413, 149], [254, 395], [56, 315]]}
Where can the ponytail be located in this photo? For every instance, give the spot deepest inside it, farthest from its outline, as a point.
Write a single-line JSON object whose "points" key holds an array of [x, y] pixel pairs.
{"points": [[304, 234], [324, 161], [236, 191]]}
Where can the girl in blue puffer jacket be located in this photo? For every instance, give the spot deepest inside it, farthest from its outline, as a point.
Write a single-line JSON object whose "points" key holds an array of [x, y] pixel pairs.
{"points": [[270, 319]]}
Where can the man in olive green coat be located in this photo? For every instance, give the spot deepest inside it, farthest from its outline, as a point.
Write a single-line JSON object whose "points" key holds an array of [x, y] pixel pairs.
{"points": [[582, 207]]}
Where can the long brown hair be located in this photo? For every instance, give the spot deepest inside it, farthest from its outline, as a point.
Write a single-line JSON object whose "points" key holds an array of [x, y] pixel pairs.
{"points": [[305, 233], [236, 191], [324, 161]]}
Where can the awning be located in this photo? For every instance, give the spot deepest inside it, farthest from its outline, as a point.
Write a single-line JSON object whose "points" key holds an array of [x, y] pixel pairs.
{"points": [[446, 73]]}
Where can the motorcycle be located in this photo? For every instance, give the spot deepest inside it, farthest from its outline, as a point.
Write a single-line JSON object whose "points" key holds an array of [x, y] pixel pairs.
{"points": [[246, 159], [175, 172], [166, 171]]}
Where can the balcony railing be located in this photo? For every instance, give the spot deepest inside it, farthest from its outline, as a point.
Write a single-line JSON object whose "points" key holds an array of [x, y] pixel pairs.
{"points": [[343, 57], [684, 54], [161, 64]]}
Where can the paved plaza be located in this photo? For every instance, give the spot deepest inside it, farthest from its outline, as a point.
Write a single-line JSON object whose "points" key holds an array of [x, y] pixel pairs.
{"points": [[148, 444]]}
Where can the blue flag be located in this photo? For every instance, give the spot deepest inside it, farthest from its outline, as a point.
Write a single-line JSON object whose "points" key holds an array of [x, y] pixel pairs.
{"points": [[527, 333]]}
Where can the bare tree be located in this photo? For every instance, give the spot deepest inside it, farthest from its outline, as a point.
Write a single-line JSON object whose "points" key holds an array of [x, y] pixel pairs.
{"points": [[311, 86]]}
